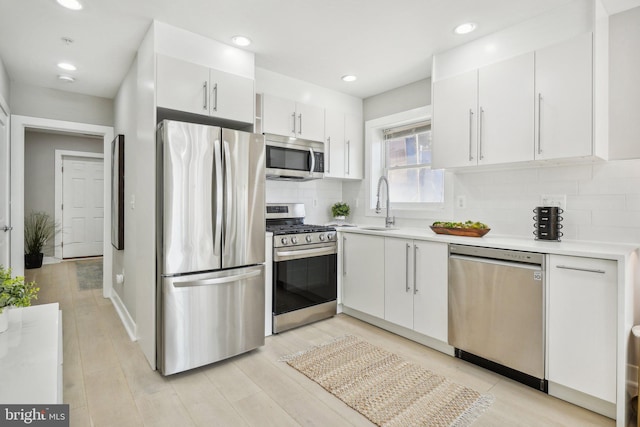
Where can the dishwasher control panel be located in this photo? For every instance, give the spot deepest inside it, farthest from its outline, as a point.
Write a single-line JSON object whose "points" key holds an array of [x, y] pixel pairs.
{"points": [[500, 254]]}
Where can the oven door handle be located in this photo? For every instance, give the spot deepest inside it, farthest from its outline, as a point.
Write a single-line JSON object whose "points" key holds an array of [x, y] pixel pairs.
{"points": [[302, 253]]}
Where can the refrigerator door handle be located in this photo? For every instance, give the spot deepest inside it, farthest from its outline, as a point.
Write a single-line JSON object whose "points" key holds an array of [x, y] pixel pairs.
{"points": [[227, 191], [217, 237], [217, 281]]}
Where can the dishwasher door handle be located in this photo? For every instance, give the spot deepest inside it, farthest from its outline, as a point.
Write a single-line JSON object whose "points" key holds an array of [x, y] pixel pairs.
{"points": [[497, 262]]}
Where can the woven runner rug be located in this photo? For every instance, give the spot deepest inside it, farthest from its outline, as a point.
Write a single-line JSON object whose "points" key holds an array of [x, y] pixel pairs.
{"points": [[387, 389], [89, 273]]}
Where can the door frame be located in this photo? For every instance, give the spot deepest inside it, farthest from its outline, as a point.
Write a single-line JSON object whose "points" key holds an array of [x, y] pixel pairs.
{"points": [[59, 157], [5, 108], [19, 125]]}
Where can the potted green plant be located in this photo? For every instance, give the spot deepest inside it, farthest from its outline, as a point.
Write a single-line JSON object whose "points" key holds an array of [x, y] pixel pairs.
{"points": [[14, 292], [340, 210], [38, 228]]}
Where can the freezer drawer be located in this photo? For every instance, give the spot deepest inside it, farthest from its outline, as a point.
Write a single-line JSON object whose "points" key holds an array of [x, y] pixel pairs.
{"points": [[208, 317]]}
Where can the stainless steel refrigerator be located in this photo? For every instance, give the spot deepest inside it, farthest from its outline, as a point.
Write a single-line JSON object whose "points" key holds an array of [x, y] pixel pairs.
{"points": [[210, 243]]}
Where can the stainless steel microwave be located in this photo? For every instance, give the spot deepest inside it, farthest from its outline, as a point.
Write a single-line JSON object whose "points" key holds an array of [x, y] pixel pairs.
{"points": [[293, 159]]}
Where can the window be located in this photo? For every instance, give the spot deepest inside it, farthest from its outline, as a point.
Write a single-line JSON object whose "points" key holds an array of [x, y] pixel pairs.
{"points": [[407, 165]]}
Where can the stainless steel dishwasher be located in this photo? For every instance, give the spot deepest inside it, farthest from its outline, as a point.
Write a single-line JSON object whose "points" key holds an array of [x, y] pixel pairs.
{"points": [[496, 311]]}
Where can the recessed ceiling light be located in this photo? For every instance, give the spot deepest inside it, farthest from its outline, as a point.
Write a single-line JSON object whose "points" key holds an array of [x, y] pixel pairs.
{"points": [[465, 28], [66, 79], [349, 78], [70, 4], [66, 66], [241, 40]]}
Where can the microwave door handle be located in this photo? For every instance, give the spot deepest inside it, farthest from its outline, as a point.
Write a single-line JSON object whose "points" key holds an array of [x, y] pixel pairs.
{"points": [[313, 161]]}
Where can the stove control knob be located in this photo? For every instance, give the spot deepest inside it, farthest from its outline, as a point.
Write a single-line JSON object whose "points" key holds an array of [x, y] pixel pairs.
{"points": [[321, 237], [294, 240], [308, 238], [284, 240], [330, 236]]}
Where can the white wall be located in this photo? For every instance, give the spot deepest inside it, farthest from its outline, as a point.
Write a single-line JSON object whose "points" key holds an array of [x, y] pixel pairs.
{"points": [[317, 196], [404, 98], [305, 92], [624, 85], [4, 83], [39, 168], [47, 103], [125, 123], [559, 24]]}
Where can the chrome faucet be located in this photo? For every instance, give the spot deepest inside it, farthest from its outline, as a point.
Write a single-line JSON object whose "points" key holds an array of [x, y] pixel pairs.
{"points": [[389, 220]]}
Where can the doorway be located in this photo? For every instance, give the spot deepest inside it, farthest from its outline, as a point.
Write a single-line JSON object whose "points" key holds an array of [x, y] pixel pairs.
{"points": [[19, 125], [5, 222], [79, 204]]}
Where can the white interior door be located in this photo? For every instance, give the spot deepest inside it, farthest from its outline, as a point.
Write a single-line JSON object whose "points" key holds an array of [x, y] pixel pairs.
{"points": [[82, 207], [5, 161]]}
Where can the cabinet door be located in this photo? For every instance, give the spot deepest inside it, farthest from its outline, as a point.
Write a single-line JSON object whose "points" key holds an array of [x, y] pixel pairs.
{"points": [[334, 144], [363, 273], [455, 102], [232, 96], [398, 281], [278, 115], [310, 122], [430, 307], [354, 147], [582, 325], [564, 99], [505, 111], [181, 85]]}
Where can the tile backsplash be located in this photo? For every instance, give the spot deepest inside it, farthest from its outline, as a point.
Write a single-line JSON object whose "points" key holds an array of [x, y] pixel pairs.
{"points": [[603, 199], [317, 195]]}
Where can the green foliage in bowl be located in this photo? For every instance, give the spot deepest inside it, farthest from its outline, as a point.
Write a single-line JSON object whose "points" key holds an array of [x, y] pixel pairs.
{"points": [[467, 224], [340, 209]]}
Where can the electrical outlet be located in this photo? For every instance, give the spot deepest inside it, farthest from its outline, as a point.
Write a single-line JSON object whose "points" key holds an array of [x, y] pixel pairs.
{"points": [[315, 203], [558, 200], [461, 202]]}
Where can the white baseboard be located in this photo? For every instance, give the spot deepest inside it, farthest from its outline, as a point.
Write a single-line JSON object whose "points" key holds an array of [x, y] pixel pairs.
{"points": [[125, 317]]}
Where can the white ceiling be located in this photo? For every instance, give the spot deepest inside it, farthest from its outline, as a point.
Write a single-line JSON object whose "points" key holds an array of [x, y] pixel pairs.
{"points": [[385, 43]]}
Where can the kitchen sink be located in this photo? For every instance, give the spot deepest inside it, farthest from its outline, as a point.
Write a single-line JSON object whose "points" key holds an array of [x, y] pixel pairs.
{"points": [[376, 228]]}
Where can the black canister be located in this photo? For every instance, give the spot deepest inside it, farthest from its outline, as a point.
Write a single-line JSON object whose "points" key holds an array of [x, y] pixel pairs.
{"points": [[547, 223]]}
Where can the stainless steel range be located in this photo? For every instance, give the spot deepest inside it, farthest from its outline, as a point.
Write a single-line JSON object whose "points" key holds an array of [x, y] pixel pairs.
{"points": [[304, 268]]}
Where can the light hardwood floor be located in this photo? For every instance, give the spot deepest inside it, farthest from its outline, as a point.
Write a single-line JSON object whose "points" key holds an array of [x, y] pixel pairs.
{"points": [[107, 381]]}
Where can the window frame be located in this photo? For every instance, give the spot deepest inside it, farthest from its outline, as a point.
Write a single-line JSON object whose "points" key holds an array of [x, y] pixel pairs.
{"points": [[375, 156]]}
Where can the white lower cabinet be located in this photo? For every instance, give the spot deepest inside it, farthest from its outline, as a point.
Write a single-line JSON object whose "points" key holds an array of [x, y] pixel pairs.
{"points": [[581, 326], [415, 292], [363, 273]]}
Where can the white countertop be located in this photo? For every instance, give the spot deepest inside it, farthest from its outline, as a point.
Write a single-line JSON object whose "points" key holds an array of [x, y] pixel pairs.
{"points": [[30, 357], [588, 249]]}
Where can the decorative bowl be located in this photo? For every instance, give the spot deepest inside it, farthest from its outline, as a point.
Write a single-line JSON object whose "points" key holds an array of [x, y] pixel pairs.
{"points": [[466, 232]]}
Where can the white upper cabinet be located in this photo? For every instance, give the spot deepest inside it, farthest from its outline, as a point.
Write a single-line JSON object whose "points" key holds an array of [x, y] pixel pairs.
{"points": [[505, 112], [564, 99], [194, 88], [535, 106], [354, 147], [334, 144], [289, 118], [344, 145], [455, 104], [231, 96]]}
